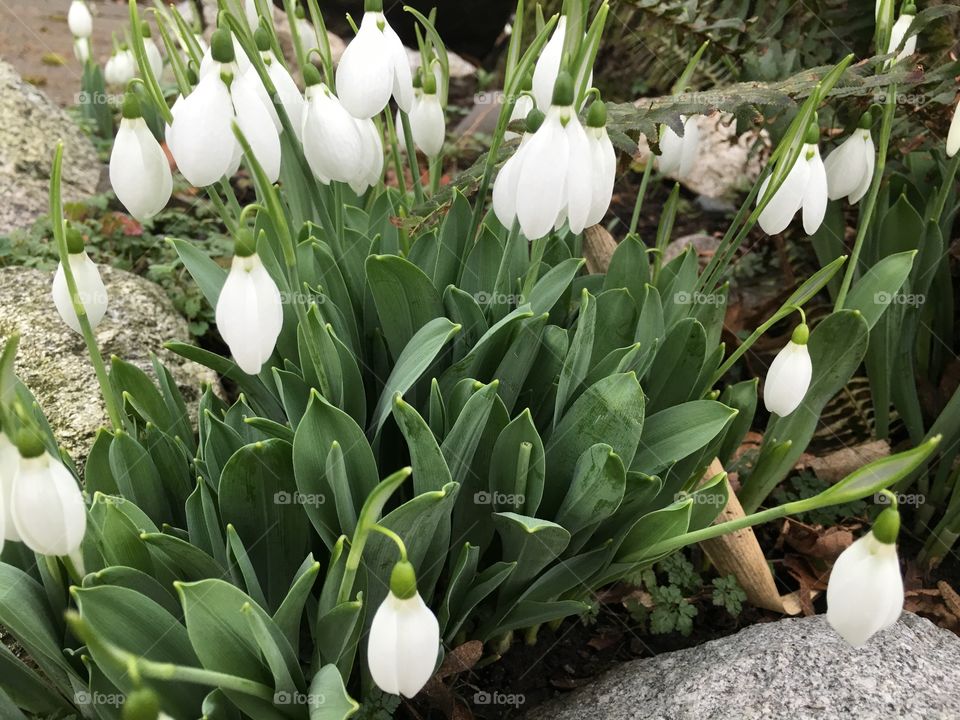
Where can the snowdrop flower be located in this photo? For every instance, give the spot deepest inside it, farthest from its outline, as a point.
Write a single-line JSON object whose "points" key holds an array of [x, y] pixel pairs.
{"points": [[678, 154], [849, 168], [81, 49], [139, 170], [47, 505], [953, 136], [249, 310], [547, 69], [404, 637], [865, 590], [505, 186], [804, 187], [287, 91], [79, 19], [522, 107], [201, 136], [551, 180], [603, 162], [121, 67], [427, 122], [154, 58], [90, 287], [9, 462], [789, 375], [337, 145], [907, 13], [374, 66]]}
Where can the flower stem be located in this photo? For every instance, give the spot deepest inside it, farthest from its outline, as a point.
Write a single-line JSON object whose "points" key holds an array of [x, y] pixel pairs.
{"points": [[866, 215], [536, 258], [397, 540], [395, 152], [641, 193], [412, 157], [96, 359]]}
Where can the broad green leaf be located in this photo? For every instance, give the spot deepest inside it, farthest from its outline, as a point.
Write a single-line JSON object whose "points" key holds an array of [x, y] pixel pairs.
{"points": [[328, 698], [405, 297], [678, 431], [654, 528], [880, 286], [532, 544]]}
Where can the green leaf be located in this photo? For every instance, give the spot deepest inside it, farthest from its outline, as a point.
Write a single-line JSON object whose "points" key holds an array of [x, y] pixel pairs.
{"points": [[653, 528], [405, 297], [532, 544], [678, 431], [577, 362], [416, 357], [518, 467], [430, 470], [596, 491], [209, 276], [672, 377], [328, 698], [874, 292]]}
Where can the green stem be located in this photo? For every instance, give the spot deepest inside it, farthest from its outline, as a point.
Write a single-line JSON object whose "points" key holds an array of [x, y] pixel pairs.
{"points": [[96, 359], [945, 188], [866, 215], [436, 172], [395, 152], [537, 250], [412, 157], [641, 193], [397, 540]]}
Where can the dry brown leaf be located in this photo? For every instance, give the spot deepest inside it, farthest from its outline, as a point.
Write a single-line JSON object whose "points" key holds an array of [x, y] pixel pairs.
{"points": [[598, 248], [823, 543], [835, 466]]}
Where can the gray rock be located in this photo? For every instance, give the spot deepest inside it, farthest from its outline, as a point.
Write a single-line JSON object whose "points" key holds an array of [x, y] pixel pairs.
{"points": [[796, 668], [53, 362], [30, 125]]}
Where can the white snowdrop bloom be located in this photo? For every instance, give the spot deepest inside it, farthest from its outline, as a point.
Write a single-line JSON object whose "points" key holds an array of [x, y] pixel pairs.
{"points": [[154, 58], [548, 67], [804, 187], [788, 378], [521, 109], [865, 590], [404, 637], [79, 19], [201, 137], [9, 462], [139, 170], [850, 167], [207, 63], [81, 49], [373, 67], [121, 67], [287, 91], [898, 32], [47, 506], [678, 154], [337, 145], [505, 186], [603, 162], [427, 123], [307, 32], [953, 136], [249, 310], [90, 287], [553, 173]]}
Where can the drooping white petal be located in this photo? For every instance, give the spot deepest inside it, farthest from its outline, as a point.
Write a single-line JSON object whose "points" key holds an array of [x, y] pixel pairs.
{"points": [[869, 163], [370, 167], [603, 162], [505, 186], [843, 168], [402, 77], [953, 136], [202, 142], [865, 591], [815, 194], [548, 66], [671, 151], [48, 508], [153, 56], [579, 186], [79, 19], [402, 647], [250, 10], [90, 287], [521, 109], [541, 185], [249, 313], [366, 75], [139, 171], [9, 462], [81, 49], [257, 127], [331, 142], [690, 147], [897, 34], [788, 199], [787, 379], [428, 125], [288, 92], [255, 85], [308, 35]]}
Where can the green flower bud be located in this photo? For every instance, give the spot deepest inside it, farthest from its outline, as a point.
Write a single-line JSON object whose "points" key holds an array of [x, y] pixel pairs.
{"points": [[131, 106], [245, 244], [812, 136], [886, 528], [429, 83], [141, 704], [221, 46], [801, 333], [597, 115], [262, 38], [373, 6], [866, 121], [144, 30], [403, 580], [563, 90], [535, 119], [311, 76], [29, 442]]}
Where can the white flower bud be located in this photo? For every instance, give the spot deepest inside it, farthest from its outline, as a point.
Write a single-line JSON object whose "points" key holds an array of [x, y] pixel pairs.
{"points": [[90, 287], [249, 313], [48, 509], [79, 19], [789, 376], [373, 67]]}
